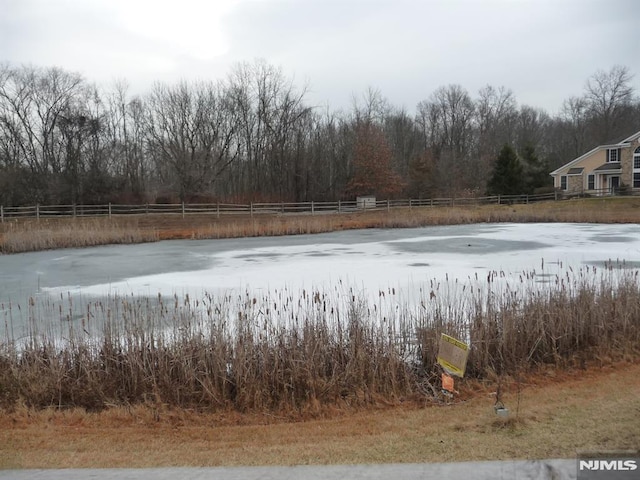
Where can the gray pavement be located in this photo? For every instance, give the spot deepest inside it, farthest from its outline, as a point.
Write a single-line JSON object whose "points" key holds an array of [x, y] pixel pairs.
{"points": [[495, 470]]}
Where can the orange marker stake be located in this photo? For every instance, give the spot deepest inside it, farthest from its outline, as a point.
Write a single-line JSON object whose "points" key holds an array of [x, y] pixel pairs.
{"points": [[447, 383]]}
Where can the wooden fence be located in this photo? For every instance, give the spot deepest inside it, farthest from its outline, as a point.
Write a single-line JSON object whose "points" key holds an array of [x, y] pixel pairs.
{"points": [[251, 209]]}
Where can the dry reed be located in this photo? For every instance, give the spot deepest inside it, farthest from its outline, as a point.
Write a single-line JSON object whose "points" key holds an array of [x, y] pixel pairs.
{"points": [[301, 352], [47, 234], [20, 236]]}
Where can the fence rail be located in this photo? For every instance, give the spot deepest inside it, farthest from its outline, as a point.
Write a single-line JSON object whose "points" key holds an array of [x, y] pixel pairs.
{"points": [[251, 209]]}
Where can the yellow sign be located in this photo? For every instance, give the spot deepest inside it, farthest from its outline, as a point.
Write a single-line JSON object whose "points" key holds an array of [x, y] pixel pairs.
{"points": [[452, 355]]}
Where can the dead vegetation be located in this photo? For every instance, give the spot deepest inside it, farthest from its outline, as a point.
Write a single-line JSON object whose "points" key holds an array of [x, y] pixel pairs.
{"points": [[29, 235], [295, 354]]}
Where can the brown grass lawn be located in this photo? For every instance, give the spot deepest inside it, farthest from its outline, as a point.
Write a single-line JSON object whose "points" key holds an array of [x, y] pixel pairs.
{"points": [[558, 414]]}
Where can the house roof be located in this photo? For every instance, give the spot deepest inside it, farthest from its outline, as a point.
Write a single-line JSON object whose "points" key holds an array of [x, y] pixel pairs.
{"points": [[611, 166], [631, 138], [624, 143], [573, 162]]}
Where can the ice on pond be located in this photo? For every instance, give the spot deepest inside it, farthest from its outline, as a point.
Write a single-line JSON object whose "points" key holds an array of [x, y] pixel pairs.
{"points": [[366, 259], [405, 261]]}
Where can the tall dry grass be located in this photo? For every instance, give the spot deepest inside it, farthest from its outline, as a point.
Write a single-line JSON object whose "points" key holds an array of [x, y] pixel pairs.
{"points": [[302, 352], [45, 234], [611, 210], [28, 235]]}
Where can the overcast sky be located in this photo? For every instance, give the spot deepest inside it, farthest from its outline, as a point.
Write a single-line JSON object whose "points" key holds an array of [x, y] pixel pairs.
{"points": [[544, 50]]}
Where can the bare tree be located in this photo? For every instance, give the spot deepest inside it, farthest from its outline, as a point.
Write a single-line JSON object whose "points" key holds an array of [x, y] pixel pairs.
{"points": [[125, 134], [607, 93], [575, 114], [33, 101], [496, 111], [372, 108], [190, 135], [269, 109], [446, 121], [404, 139], [531, 128]]}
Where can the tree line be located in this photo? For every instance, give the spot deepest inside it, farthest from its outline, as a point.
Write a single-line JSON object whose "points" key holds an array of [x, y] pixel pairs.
{"points": [[253, 136]]}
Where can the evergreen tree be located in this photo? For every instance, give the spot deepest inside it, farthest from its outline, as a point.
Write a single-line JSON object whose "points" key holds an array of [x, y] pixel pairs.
{"points": [[536, 172], [507, 177]]}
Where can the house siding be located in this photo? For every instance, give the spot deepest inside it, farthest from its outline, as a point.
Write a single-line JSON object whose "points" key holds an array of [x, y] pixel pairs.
{"points": [[578, 183], [626, 162]]}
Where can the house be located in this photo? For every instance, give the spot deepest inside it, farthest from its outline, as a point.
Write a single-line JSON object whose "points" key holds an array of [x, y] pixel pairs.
{"points": [[603, 170]]}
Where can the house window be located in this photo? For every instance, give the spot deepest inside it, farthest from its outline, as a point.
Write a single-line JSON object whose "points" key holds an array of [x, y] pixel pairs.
{"points": [[563, 182], [613, 155], [591, 182], [636, 168]]}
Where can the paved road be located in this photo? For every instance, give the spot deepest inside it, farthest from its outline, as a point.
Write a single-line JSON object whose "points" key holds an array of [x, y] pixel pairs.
{"points": [[509, 470]]}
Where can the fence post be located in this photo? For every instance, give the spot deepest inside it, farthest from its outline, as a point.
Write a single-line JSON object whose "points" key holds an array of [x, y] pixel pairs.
{"points": [[1, 214], [410, 201], [388, 205], [251, 209], [146, 209], [339, 206], [37, 211], [183, 209], [312, 208], [526, 200], [109, 209], [217, 209], [498, 199]]}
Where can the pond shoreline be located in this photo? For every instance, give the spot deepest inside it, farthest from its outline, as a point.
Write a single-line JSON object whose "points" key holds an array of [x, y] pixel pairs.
{"points": [[32, 235]]}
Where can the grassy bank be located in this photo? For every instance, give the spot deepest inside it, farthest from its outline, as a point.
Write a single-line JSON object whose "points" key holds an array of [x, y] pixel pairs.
{"points": [[29, 235], [46, 234], [299, 354], [554, 415]]}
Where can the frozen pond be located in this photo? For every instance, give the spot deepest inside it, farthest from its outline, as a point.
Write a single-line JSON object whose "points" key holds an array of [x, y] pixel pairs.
{"points": [[366, 260]]}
